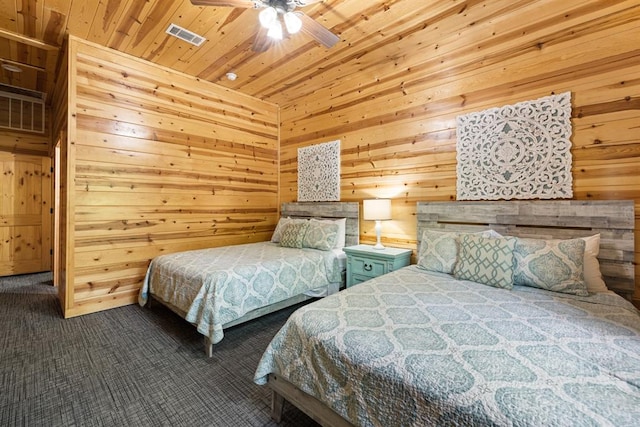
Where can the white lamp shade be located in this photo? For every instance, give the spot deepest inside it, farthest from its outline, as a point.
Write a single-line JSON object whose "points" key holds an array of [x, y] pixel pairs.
{"points": [[376, 209]]}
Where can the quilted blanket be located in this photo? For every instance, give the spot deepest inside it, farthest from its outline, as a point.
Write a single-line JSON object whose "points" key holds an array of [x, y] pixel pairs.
{"points": [[416, 348], [218, 285]]}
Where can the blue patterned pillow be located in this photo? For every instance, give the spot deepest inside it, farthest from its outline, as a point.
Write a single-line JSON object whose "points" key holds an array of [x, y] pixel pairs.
{"points": [[438, 251], [342, 229], [554, 265], [293, 234], [320, 235], [486, 260]]}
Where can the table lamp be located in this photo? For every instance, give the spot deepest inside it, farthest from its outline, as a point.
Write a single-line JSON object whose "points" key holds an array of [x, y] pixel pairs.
{"points": [[377, 210]]}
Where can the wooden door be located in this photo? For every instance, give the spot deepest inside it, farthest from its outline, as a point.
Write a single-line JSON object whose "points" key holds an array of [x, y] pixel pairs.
{"points": [[25, 214]]}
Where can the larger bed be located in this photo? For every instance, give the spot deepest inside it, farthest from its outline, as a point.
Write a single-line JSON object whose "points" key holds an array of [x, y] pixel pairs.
{"points": [[220, 287], [421, 347]]}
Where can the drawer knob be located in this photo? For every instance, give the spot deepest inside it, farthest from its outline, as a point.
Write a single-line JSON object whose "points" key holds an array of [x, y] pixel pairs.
{"points": [[368, 267]]}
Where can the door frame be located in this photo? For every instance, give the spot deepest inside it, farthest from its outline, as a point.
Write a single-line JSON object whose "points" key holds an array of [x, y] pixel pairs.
{"points": [[56, 213]]}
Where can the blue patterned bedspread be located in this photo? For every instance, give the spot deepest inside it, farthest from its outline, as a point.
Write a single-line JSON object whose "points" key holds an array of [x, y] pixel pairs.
{"points": [[415, 348], [218, 285]]}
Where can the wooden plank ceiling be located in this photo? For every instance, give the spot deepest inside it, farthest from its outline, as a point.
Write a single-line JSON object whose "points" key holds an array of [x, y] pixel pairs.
{"points": [[380, 40], [32, 33]]}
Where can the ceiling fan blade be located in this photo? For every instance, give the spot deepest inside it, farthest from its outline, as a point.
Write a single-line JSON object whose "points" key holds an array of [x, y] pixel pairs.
{"points": [[262, 42], [317, 31], [229, 3]]}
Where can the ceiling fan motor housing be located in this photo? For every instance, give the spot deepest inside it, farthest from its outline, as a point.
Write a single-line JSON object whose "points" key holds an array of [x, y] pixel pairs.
{"points": [[274, 14], [283, 6]]}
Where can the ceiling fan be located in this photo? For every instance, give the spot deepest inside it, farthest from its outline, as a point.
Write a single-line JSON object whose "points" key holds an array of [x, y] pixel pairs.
{"points": [[273, 14]]}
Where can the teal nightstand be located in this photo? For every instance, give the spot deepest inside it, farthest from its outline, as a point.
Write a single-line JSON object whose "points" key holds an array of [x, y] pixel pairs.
{"points": [[364, 262]]}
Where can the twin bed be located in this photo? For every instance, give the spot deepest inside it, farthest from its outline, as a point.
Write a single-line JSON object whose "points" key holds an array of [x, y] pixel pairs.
{"points": [[450, 340], [421, 346], [221, 287]]}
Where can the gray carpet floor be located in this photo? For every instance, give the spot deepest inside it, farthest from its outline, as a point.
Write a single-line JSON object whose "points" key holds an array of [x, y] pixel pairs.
{"points": [[128, 366]]}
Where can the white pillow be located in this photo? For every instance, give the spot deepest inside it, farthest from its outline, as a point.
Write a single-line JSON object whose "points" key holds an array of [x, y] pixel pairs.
{"points": [[490, 233], [592, 274], [342, 230]]}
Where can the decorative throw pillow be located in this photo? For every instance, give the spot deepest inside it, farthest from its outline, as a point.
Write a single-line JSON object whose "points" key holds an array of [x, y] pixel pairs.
{"points": [[486, 260], [342, 230], [277, 233], [320, 235], [554, 265], [592, 274], [275, 237], [438, 251], [293, 234]]}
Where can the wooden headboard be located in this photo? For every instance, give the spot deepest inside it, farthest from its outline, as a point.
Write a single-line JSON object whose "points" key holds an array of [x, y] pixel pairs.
{"points": [[558, 219], [349, 210]]}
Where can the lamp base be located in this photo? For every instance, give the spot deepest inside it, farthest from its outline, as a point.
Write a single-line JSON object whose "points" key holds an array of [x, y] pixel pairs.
{"points": [[378, 244]]}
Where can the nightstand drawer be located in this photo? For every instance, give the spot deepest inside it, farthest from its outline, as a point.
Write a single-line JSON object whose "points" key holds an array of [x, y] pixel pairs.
{"points": [[356, 278], [368, 267]]}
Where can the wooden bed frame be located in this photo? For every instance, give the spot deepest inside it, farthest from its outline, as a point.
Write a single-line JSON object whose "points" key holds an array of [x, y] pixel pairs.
{"points": [[614, 220], [333, 210]]}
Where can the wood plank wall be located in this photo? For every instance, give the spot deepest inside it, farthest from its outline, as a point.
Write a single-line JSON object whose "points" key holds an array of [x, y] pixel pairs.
{"points": [[158, 162], [396, 117], [25, 142]]}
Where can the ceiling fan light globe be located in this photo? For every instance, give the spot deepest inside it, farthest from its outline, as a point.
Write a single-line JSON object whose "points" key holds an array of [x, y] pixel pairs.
{"points": [[275, 30], [292, 22], [268, 16]]}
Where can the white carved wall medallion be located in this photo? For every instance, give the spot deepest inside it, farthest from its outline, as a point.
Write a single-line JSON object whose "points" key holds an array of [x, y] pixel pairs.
{"points": [[520, 151], [319, 172]]}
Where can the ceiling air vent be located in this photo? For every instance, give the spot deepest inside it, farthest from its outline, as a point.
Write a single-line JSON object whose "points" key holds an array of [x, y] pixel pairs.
{"points": [[21, 109], [185, 35], [22, 91]]}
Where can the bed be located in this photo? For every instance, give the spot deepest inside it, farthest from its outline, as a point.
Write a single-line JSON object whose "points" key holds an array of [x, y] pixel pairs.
{"points": [[217, 288], [420, 346]]}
